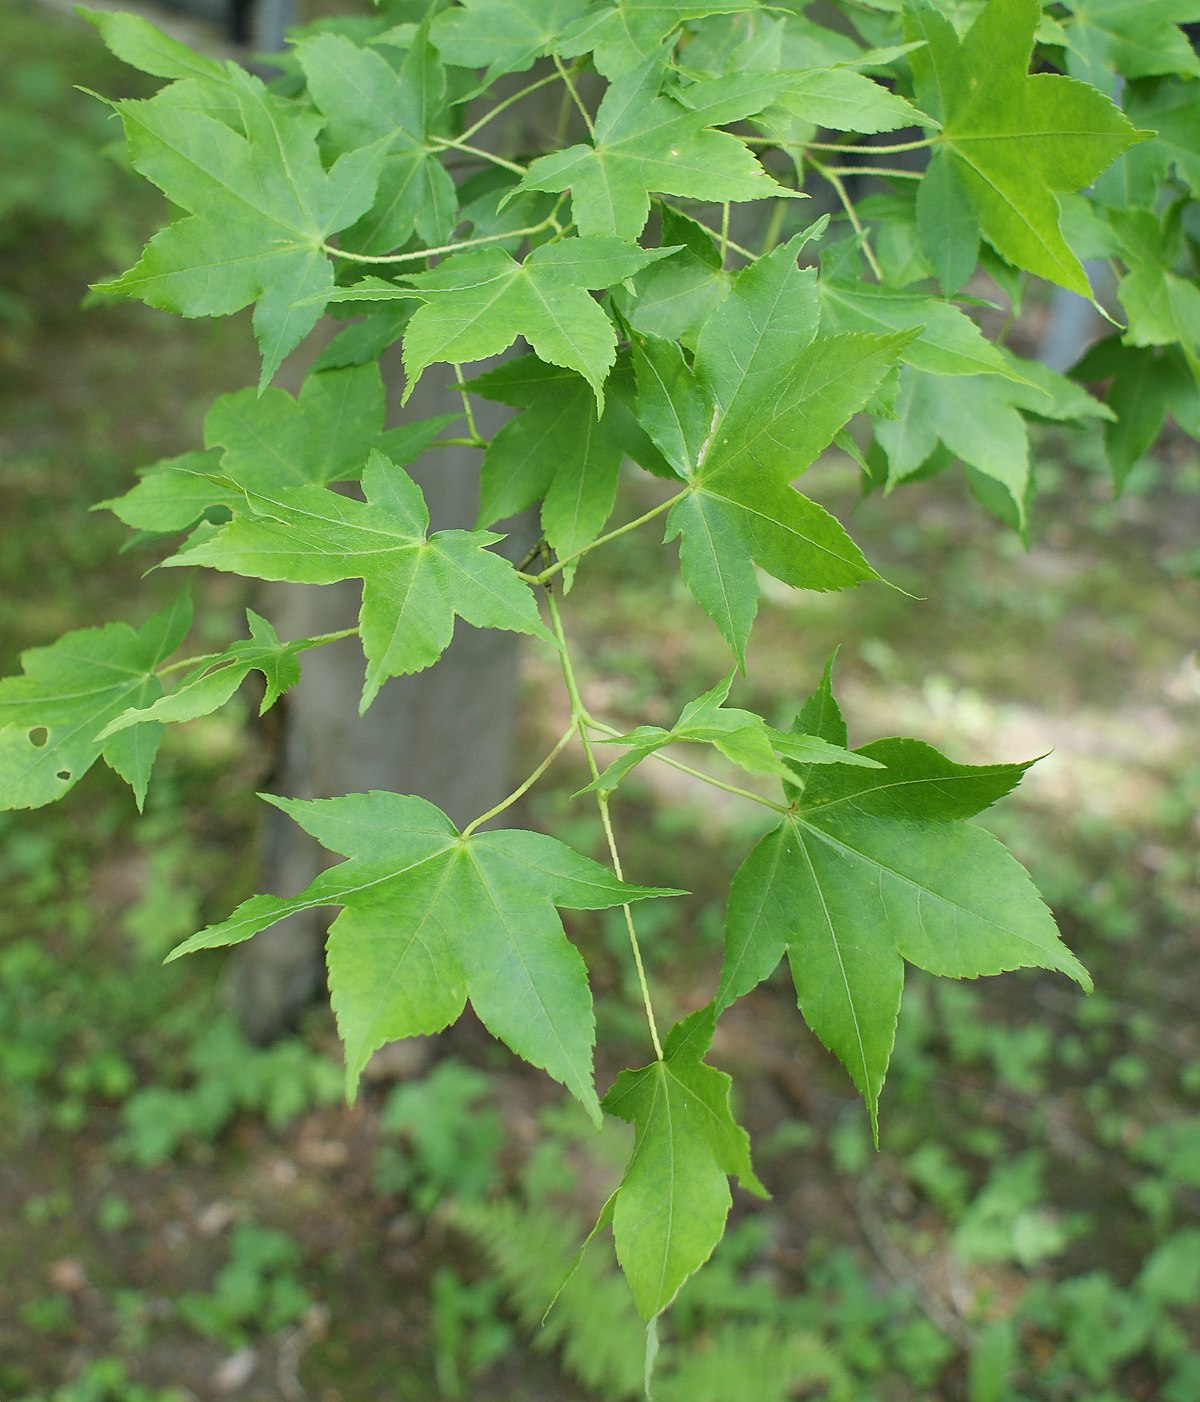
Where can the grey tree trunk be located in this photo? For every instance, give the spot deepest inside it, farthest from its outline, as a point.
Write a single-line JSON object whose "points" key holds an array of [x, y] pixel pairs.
{"points": [[445, 734]]}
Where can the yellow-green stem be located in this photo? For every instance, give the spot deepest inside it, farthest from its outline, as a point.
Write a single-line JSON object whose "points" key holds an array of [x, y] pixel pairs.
{"points": [[524, 787], [551, 570], [848, 205], [319, 641], [580, 720]]}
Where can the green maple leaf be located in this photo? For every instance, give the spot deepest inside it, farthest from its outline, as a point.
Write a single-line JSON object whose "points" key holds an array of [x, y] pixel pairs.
{"points": [[1145, 385], [1136, 38], [670, 1208], [975, 416], [476, 304], [765, 399], [431, 918], [741, 736], [1170, 107], [414, 584], [259, 207], [1163, 307], [365, 101], [643, 143], [948, 341], [673, 299], [503, 36], [215, 678], [53, 718], [624, 35], [1014, 139], [874, 867], [138, 43], [265, 442], [556, 451]]}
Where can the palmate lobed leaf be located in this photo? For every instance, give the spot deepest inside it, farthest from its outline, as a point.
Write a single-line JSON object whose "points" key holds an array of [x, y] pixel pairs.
{"points": [[670, 1208], [476, 304], [258, 202], [645, 143], [1014, 139], [765, 399], [70, 690], [215, 678], [414, 584], [431, 918], [875, 867]]}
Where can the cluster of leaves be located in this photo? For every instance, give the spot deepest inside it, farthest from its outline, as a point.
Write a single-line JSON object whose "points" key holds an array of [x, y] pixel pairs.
{"points": [[351, 183]]}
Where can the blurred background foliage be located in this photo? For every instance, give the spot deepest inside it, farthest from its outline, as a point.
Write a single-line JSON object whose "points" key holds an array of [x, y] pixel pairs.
{"points": [[189, 1216]]}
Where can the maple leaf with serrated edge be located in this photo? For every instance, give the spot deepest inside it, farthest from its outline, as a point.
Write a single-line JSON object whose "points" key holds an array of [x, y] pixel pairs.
{"points": [[643, 143], [872, 867], [271, 441], [741, 736], [556, 451], [503, 36], [765, 399], [624, 35], [431, 918], [414, 584], [53, 718], [365, 100], [141, 45], [476, 304], [260, 205], [1136, 38], [670, 1208], [214, 678], [1014, 139]]}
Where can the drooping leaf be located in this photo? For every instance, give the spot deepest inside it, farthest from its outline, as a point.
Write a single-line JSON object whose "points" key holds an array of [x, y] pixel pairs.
{"points": [[503, 36], [414, 585], [1014, 139], [215, 678], [258, 206], [431, 918], [741, 736], [53, 717], [772, 398], [624, 35], [1136, 38], [646, 143], [873, 867], [476, 304], [365, 100], [556, 451], [266, 442], [670, 1209]]}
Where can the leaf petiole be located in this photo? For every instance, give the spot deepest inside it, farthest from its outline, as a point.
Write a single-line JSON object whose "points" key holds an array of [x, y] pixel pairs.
{"points": [[527, 784], [848, 205], [319, 641], [580, 720], [551, 570]]}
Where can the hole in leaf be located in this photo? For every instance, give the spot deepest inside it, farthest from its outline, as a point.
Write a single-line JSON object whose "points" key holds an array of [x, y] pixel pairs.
{"points": [[64, 773], [38, 736]]}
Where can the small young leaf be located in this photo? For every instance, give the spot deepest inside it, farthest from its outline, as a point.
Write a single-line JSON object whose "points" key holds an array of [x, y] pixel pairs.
{"points": [[672, 1203]]}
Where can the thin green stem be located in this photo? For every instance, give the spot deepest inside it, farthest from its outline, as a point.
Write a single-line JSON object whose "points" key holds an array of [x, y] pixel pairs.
{"points": [[418, 253], [184, 662], [508, 102], [565, 74], [466, 402], [889, 171], [893, 150], [774, 228], [447, 143], [523, 788], [551, 570], [724, 231], [848, 205], [696, 773], [475, 442], [716, 233], [580, 721]]}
